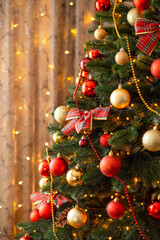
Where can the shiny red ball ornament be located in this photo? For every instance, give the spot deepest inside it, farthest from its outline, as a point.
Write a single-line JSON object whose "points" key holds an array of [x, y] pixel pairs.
{"points": [[83, 63], [58, 166], [95, 54], [83, 142], [154, 209], [88, 88], [27, 236], [102, 5], [104, 140], [142, 4], [85, 74], [34, 215], [115, 209], [45, 211], [155, 68], [43, 168], [110, 165]]}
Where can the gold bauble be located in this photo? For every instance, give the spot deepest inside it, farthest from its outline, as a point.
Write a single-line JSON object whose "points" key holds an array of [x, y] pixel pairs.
{"points": [[74, 176], [56, 137], [133, 14], [60, 114], [77, 217], [43, 181], [100, 33], [120, 98], [151, 140], [121, 57]]}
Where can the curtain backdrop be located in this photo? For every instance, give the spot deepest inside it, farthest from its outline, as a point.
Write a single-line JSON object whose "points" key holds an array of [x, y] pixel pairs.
{"points": [[41, 45]]}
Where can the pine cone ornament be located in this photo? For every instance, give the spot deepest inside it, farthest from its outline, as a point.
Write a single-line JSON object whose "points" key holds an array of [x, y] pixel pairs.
{"points": [[62, 218]]}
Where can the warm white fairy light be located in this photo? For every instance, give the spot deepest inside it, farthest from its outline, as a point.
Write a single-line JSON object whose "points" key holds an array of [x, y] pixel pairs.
{"points": [[46, 144], [42, 14], [20, 205], [71, 3], [28, 158], [67, 52], [47, 115], [51, 66], [0, 206], [48, 93], [20, 182]]}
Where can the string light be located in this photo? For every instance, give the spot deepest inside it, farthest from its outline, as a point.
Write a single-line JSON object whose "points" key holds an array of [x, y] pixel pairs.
{"points": [[19, 77], [71, 3], [110, 238], [46, 144], [92, 19], [48, 93], [16, 132], [127, 118], [74, 31], [47, 115], [20, 108], [20, 182], [28, 158], [18, 52], [67, 52], [42, 14], [51, 66], [0, 206], [20, 205]]}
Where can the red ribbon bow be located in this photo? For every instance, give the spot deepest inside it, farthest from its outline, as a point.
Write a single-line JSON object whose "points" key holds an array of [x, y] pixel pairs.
{"points": [[82, 119], [150, 31], [40, 198]]}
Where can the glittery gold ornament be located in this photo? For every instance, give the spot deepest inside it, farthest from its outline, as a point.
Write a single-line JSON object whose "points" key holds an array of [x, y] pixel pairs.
{"points": [[121, 57], [133, 14], [151, 139], [100, 33], [60, 114], [74, 176], [43, 181], [56, 137], [120, 98], [77, 217]]}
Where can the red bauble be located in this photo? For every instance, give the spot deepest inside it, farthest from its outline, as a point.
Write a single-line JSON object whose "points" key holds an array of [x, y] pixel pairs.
{"points": [[95, 54], [154, 209], [142, 4], [34, 215], [27, 236], [155, 68], [102, 5], [115, 209], [110, 165], [83, 63], [88, 88], [43, 168], [104, 140], [85, 74], [45, 210], [83, 142], [58, 166]]}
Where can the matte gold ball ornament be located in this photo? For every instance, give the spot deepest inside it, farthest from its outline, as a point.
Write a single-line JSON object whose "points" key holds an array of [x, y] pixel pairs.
{"points": [[60, 114], [100, 33], [120, 98], [121, 57], [77, 217], [133, 14], [151, 139], [74, 175]]}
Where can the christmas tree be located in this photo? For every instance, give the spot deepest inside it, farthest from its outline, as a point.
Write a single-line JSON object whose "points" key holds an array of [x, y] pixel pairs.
{"points": [[102, 173]]}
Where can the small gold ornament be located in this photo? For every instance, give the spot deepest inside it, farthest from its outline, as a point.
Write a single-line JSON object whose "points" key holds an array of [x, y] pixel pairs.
{"points": [[120, 98], [121, 57], [133, 14], [74, 176], [100, 33], [60, 114], [77, 217], [43, 181], [151, 139], [56, 137]]}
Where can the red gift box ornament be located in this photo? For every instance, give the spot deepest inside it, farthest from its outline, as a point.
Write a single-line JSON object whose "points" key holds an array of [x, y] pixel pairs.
{"points": [[82, 119], [150, 33], [39, 198]]}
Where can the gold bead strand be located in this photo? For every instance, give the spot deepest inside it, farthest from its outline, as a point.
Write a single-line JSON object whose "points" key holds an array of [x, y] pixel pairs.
{"points": [[51, 192], [136, 81], [114, 19]]}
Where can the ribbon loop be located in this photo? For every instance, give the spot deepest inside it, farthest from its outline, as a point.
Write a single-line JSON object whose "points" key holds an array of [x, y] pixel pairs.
{"points": [[150, 31], [82, 119]]}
